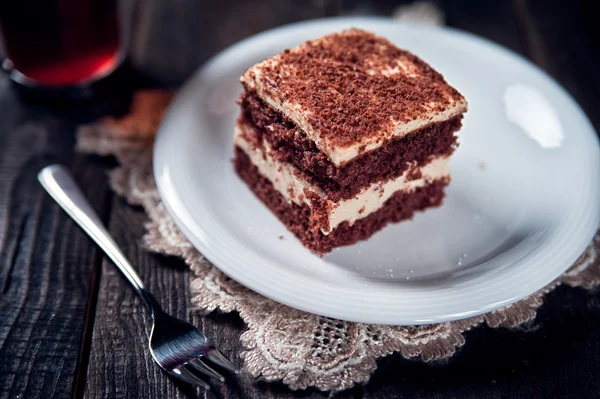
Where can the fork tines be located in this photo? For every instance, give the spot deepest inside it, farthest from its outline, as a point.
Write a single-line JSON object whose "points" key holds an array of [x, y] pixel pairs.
{"points": [[187, 372]]}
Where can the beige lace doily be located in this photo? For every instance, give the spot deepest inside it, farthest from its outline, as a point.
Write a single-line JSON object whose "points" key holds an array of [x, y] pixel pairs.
{"points": [[281, 343]]}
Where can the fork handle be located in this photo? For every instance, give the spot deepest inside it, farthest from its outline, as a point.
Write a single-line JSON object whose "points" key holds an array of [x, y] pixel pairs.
{"points": [[59, 183]]}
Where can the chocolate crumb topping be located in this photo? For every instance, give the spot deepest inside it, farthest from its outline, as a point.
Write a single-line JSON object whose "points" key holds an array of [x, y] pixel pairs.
{"points": [[354, 87]]}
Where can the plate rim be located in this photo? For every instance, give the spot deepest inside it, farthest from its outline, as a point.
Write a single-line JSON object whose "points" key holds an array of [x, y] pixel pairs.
{"points": [[217, 259]]}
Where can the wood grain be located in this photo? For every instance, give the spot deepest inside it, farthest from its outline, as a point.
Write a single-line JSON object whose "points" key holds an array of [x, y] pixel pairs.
{"points": [[120, 364], [45, 262]]}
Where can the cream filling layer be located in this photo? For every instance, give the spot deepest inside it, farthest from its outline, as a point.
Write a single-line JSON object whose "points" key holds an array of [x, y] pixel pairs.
{"points": [[341, 155], [285, 180]]}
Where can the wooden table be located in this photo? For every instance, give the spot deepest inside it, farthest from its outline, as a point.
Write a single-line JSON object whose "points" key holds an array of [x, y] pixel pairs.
{"points": [[71, 326]]}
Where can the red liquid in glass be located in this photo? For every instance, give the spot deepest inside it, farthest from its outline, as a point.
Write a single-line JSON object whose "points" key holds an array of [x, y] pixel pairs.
{"points": [[61, 42]]}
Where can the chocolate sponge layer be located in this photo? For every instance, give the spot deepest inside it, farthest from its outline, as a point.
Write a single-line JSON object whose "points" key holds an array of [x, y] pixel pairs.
{"points": [[301, 221]]}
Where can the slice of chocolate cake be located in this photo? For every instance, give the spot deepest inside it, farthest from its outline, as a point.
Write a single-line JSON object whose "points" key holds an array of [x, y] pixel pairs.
{"points": [[344, 134]]}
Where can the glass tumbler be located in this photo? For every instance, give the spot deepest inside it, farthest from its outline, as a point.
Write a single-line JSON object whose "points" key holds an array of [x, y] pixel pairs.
{"points": [[61, 43]]}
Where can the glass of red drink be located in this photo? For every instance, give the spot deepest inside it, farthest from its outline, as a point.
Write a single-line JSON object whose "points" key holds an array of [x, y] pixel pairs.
{"points": [[60, 43]]}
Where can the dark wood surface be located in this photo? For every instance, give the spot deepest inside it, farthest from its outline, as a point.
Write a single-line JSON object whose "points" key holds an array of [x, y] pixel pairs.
{"points": [[70, 325]]}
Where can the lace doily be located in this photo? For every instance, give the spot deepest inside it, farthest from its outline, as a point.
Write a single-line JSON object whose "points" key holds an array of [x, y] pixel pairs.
{"points": [[284, 344]]}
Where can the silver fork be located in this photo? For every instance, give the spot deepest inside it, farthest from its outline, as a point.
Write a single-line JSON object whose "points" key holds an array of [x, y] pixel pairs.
{"points": [[178, 347]]}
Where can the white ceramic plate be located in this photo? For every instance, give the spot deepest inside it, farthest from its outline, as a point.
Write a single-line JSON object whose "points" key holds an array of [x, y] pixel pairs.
{"points": [[519, 210]]}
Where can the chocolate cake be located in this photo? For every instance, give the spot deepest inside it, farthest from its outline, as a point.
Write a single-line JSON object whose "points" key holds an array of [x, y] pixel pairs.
{"points": [[344, 134]]}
